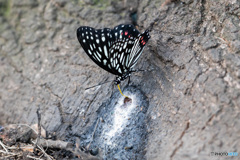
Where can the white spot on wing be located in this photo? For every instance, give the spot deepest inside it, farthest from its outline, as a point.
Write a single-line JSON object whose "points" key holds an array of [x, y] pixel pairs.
{"points": [[119, 70], [98, 58], [125, 45], [105, 51], [99, 55], [117, 67], [127, 59], [104, 62], [121, 57], [89, 52], [91, 47], [97, 40], [103, 38]]}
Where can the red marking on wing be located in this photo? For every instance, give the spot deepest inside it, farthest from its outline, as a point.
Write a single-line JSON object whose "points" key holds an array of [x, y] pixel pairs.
{"points": [[126, 32], [122, 33], [143, 42]]}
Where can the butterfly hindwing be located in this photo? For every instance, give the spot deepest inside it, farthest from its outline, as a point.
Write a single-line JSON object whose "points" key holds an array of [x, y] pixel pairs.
{"points": [[120, 51], [137, 49]]}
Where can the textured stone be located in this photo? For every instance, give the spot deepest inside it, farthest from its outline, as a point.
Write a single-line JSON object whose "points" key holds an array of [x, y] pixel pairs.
{"points": [[192, 78], [215, 54], [236, 46], [22, 3], [211, 43]]}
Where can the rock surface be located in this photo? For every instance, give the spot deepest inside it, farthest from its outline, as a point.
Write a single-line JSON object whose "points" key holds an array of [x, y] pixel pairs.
{"points": [[192, 88]]}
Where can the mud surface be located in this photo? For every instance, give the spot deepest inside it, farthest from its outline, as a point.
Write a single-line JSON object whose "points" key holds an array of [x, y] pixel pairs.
{"points": [[120, 129], [190, 95]]}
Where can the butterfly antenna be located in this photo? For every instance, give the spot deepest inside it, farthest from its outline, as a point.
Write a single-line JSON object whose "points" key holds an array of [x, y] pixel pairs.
{"points": [[121, 91], [97, 85]]}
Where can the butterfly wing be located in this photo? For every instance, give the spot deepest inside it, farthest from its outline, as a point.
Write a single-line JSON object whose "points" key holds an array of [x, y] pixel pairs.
{"points": [[137, 48], [120, 52], [124, 36], [115, 50], [126, 51], [96, 43]]}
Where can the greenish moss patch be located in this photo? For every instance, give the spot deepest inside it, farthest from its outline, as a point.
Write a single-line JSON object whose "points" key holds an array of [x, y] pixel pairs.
{"points": [[5, 8]]}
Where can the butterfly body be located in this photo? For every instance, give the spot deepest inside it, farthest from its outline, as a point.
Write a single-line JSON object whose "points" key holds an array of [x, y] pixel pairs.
{"points": [[115, 50]]}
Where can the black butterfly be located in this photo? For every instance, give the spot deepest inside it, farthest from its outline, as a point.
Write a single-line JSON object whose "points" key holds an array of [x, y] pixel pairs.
{"points": [[115, 50]]}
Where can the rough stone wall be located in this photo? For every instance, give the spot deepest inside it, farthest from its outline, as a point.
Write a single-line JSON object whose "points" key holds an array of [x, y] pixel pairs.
{"points": [[193, 91]]}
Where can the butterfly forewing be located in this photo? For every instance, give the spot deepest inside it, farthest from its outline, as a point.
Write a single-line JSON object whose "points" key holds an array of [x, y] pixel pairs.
{"points": [[96, 44]]}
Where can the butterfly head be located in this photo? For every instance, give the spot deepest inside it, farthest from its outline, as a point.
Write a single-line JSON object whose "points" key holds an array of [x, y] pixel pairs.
{"points": [[123, 77], [117, 81]]}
